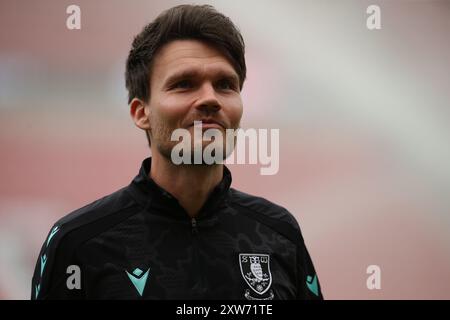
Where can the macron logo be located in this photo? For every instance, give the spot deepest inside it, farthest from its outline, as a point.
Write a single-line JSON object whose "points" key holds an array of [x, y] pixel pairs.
{"points": [[139, 279], [52, 233], [311, 282]]}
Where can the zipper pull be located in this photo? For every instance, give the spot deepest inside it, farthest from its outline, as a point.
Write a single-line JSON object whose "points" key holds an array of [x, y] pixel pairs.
{"points": [[194, 226]]}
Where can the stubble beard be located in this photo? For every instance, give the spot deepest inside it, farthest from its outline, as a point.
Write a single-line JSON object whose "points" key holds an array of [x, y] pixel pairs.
{"points": [[161, 137]]}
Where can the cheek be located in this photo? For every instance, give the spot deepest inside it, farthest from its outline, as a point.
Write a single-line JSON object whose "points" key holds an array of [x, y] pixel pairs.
{"points": [[171, 110], [234, 110]]}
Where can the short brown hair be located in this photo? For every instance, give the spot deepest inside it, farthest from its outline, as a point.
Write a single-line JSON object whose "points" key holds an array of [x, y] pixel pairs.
{"points": [[200, 22]]}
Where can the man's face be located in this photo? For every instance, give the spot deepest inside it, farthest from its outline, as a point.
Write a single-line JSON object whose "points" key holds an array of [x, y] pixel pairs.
{"points": [[191, 81]]}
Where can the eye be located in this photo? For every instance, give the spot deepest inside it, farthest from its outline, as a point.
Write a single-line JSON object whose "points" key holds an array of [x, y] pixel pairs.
{"points": [[183, 84], [226, 84]]}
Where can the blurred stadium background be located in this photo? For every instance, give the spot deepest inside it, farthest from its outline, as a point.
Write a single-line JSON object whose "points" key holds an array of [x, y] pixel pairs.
{"points": [[363, 115]]}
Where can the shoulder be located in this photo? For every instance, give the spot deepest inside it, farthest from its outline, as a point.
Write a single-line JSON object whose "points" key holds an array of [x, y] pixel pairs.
{"points": [[268, 213], [92, 219], [68, 233]]}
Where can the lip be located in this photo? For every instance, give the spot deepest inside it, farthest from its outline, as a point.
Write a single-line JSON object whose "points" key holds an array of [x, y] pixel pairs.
{"points": [[209, 123]]}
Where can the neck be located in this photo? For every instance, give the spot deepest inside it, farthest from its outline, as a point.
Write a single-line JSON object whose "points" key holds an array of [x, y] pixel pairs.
{"points": [[189, 184]]}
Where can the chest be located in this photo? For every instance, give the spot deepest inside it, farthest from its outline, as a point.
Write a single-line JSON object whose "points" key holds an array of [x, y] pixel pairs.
{"points": [[179, 264]]}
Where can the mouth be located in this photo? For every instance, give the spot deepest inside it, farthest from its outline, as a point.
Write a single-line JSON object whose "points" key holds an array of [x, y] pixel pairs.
{"points": [[209, 123]]}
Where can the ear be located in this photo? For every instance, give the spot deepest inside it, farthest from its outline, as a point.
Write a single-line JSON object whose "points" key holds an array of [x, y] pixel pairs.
{"points": [[139, 113]]}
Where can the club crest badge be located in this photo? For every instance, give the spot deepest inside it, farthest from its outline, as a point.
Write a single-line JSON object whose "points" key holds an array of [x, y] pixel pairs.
{"points": [[255, 268]]}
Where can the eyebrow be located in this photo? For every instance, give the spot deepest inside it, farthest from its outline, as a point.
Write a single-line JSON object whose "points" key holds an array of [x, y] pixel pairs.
{"points": [[192, 73]]}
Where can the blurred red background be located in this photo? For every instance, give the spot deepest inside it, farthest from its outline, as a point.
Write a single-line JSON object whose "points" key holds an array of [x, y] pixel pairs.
{"points": [[363, 118]]}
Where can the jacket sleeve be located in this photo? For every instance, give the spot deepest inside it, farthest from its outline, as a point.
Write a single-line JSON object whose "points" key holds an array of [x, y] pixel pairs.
{"points": [[56, 275], [308, 286]]}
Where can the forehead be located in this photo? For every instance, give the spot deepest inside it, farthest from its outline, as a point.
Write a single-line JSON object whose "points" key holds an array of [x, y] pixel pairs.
{"points": [[179, 55]]}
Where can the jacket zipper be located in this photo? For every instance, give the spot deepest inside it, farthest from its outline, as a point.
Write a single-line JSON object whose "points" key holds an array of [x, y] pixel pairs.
{"points": [[194, 226], [200, 280]]}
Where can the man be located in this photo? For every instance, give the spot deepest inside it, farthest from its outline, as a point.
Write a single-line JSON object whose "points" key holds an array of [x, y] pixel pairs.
{"points": [[178, 231]]}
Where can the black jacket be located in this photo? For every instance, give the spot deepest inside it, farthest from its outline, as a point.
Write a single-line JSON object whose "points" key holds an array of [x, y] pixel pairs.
{"points": [[139, 243]]}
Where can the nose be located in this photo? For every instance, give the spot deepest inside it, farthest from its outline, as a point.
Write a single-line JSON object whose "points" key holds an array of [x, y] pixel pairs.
{"points": [[207, 101]]}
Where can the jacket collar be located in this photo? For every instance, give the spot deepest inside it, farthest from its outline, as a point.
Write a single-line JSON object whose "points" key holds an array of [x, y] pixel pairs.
{"points": [[158, 201]]}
